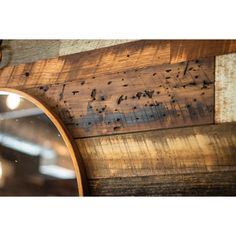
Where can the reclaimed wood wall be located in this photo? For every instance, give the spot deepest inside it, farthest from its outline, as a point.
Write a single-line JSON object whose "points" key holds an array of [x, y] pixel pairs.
{"points": [[148, 116]]}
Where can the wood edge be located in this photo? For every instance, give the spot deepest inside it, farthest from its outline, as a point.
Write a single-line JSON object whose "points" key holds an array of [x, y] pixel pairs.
{"points": [[69, 141]]}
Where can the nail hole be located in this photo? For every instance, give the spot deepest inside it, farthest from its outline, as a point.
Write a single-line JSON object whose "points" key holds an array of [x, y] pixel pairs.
{"points": [[116, 128]]}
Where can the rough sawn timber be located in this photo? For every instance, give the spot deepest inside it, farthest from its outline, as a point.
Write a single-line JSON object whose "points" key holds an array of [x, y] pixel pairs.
{"points": [[156, 97], [191, 150]]}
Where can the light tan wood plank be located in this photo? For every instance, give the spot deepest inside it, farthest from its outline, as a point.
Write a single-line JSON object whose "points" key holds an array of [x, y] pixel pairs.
{"points": [[225, 88], [28, 51], [175, 151], [75, 46]]}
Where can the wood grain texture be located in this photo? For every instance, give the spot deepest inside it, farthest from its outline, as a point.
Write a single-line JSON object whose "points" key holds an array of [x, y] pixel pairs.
{"points": [[86, 64], [156, 97], [185, 161], [27, 51], [184, 50], [68, 47], [201, 149], [225, 88], [198, 184], [109, 60]]}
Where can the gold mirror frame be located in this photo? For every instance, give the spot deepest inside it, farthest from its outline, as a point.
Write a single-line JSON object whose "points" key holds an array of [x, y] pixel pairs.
{"points": [[72, 147]]}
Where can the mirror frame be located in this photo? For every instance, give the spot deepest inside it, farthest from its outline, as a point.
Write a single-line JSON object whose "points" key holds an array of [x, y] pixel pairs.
{"points": [[69, 141]]}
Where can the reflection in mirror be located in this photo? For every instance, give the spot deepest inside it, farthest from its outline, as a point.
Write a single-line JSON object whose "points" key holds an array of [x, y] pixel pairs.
{"points": [[34, 160]]}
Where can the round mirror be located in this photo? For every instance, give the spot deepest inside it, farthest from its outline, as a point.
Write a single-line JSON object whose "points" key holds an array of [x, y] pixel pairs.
{"points": [[36, 156]]}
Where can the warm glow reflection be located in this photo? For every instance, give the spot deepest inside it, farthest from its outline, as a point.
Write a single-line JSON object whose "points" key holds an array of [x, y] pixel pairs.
{"points": [[13, 101]]}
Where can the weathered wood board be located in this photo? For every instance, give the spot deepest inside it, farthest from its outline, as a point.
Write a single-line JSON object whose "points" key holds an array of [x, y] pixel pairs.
{"points": [[28, 51], [184, 50], [106, 97], [158, 97], [104, 61], [198, 184], [225, 88], [190, 150]]}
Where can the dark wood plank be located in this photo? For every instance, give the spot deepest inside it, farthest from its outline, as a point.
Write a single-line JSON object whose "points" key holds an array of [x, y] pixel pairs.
{"points": [[155, 97], [190, 150], [199, 184]]}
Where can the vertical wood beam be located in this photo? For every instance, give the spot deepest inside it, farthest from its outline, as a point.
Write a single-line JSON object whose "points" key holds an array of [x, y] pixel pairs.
{"points": [[225, 88]]}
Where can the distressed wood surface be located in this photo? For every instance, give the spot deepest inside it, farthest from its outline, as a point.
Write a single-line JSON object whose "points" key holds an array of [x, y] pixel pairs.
{"points": [[27, 51], [207, 148], [198, 184], [104, 61], [225, 88], [86, 64], [68, 47], [156, 97], [197, 160], [183, 50]]}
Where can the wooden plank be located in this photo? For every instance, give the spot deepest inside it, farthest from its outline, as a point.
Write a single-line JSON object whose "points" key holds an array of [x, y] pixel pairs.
{"points": [[184, 50], [86, 64], [113, 59], [172, 151], [199, 184], [27, 51], [156, 97], [225, 88], [68, 47]]}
